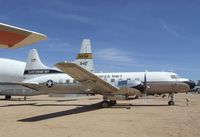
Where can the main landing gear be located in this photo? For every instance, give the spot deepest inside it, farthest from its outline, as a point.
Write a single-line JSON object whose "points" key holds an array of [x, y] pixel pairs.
{"points": [[106, 103], [7, 97], [171, 102]]}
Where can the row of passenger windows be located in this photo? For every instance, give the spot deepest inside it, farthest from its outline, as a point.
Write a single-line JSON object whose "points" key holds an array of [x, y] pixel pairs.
{"points": [[113, 80], [75, 82], [68, 81]]}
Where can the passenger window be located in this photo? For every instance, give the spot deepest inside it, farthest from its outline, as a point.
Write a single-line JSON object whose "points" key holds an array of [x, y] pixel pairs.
{"points": [[67, 81], [120, 79], [122, 83], [60, 81], [112, 80], [74, 81]]}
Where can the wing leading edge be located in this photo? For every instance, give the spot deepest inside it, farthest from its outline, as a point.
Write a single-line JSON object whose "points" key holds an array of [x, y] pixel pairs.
{"points": [[14, 37], [88, 79]]}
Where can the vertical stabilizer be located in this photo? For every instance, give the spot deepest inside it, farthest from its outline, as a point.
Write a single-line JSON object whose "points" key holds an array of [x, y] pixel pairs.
{"points": [[34, 62], [84, 58], [34, 67]]}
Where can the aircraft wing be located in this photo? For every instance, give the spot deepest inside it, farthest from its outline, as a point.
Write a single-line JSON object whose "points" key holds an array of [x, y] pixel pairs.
{"points": [[33, 86], [86, 78], [14, 37]]}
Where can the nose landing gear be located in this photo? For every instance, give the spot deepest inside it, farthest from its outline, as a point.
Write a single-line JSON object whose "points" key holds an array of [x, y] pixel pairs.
{"points": [[171, 102]]}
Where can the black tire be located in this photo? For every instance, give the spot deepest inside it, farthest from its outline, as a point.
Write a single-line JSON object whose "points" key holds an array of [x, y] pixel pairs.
{"points": [[105, 104], [163, 96], [171, 103], [8, 97], [113, 102]]}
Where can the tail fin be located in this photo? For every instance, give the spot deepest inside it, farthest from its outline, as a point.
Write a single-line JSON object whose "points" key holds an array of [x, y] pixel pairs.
{"points": [[84, 58], [34, 66], [33, 61]]}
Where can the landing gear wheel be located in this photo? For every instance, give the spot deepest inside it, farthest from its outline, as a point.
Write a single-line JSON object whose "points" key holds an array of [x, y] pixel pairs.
{"points": [[105, 104], [113, 102], [171, 103], [136, 97], [7, 97], [163, 96]]}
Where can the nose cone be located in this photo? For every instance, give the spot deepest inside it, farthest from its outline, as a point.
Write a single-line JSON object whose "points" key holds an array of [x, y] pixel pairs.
{"points": [[139, 87], [190, 83]]}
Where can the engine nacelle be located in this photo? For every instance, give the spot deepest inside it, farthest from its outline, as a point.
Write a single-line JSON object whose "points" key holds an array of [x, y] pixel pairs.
{"points": [[129, 91], [123, 94]]}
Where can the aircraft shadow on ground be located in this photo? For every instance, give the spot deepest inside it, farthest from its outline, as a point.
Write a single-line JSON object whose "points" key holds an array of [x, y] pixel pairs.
{"points": [[28, 100], [82, 109], [78, 110], [21, 99], [41, 105], [15, 105], [137, 105]]}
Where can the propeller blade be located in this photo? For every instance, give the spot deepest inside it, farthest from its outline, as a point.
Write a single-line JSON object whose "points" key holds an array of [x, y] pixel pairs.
{"points": [[145, 84], [145, 80]]}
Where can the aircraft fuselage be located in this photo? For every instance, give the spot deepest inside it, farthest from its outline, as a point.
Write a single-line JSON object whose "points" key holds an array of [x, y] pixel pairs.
{"points": [[61, 83]]}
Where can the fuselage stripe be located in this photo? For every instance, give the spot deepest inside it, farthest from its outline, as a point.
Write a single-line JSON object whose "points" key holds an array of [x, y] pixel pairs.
{"points": [[41, 71]]}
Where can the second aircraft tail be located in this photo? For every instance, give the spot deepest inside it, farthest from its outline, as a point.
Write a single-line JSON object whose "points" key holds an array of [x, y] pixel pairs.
{"points": [[84, 58]]}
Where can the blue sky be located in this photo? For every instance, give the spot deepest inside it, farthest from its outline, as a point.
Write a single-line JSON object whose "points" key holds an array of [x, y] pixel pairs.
{"points": [[126, 35]]}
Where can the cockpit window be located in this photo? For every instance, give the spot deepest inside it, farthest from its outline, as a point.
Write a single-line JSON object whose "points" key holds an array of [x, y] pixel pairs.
{"points": [[175, 77]]}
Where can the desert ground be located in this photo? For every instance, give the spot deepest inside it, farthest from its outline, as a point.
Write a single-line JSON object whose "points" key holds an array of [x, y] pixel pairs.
{"points": [[43, 116]]}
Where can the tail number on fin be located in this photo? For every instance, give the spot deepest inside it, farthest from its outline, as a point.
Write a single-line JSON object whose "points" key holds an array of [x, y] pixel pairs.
{"points": [[83, 63]]}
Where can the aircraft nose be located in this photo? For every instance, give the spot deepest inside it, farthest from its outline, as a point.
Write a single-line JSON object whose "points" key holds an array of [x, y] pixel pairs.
{"points": [[139, 87], [190, 83]]}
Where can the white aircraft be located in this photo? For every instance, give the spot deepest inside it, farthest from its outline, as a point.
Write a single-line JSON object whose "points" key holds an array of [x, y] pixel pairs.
{"points": [[118, 86], [13, 37], [34, 78]]}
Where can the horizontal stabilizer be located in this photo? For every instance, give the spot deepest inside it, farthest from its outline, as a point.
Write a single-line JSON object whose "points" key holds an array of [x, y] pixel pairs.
{"points": [[14, 37]]}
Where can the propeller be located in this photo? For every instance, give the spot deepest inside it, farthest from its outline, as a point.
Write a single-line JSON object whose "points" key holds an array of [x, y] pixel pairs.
{"points": [[145, 85]]}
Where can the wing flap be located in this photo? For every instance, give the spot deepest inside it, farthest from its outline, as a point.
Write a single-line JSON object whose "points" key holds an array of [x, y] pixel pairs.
{"points": [[88, 79]]}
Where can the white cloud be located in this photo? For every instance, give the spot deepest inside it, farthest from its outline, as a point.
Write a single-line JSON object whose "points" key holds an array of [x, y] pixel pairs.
{"points": [[112, 54], [170, 30], [67, 16], [57, 45]]}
